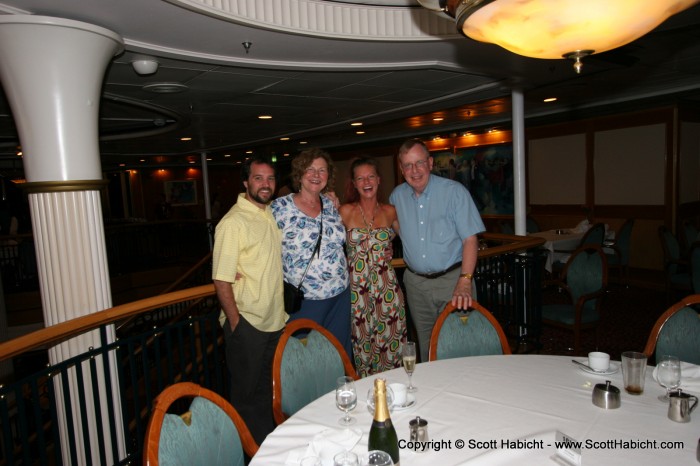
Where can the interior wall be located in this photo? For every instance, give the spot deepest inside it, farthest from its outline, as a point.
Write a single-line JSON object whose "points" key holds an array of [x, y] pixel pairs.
{"points": [[557, 170], [689, 154]]}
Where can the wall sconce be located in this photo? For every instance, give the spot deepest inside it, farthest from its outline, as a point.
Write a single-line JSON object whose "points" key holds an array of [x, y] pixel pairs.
{"points": [[145, 65], [558, 28]]}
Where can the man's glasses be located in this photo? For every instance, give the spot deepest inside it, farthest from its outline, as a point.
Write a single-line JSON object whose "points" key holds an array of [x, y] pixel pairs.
{"points": [[420, 165]]}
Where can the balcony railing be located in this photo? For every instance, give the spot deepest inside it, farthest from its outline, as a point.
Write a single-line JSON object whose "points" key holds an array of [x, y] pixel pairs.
{"points": [[170, 338]]}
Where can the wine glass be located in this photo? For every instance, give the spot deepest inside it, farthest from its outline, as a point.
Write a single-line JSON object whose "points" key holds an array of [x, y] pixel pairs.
{"points": [[378, 458], [668, 373], [408, 354], [346, 399], [346, 458]]}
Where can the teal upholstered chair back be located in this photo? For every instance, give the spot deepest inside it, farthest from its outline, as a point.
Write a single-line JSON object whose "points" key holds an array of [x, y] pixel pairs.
{"points": [[677, 332], [695, 266], [475, 333], [210, 433], [690, 234], [680, 336], [585, 274], [594, 236], [310, 368], [623, 240], [210, 439], [306, 368], [672, 250]]}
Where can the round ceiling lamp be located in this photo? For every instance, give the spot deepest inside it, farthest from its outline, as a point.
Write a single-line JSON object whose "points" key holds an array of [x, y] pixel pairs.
{"points": [[558, 28]]}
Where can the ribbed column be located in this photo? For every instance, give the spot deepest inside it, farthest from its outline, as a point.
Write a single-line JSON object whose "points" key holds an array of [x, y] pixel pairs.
{"points": [[52, 71]]}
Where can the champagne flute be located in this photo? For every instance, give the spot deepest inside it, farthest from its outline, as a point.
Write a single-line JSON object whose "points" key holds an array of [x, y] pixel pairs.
{"points": [[346, 399], [668, 373], [408, 355]]}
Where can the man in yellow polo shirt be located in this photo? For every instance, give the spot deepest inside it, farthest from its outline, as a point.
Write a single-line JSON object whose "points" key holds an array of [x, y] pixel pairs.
{"points": [[247, 275]]}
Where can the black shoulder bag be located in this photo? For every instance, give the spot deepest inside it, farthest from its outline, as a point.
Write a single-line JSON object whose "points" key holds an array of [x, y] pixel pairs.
{"points": [[294, 294]]}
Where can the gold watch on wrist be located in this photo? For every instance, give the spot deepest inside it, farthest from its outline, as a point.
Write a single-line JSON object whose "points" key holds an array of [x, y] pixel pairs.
{"points": [[468, 276]]}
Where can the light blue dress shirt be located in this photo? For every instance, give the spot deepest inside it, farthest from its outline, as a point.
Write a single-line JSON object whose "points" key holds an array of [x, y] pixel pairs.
{"points": [[435, 224]]}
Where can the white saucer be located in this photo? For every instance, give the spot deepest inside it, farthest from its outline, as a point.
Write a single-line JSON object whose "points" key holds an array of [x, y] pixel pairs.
{"points": [[410, 402], [614, 368]]}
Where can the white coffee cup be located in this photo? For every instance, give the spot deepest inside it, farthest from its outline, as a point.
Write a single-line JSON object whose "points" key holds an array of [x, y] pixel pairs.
{"points": [[599, 361], [400, 392]]}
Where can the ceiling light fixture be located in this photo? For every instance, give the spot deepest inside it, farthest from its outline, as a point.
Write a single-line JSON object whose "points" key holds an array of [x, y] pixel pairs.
{"points": [[550, 99], [145, 65], [265, 117], [357, 123], [558, 28]]}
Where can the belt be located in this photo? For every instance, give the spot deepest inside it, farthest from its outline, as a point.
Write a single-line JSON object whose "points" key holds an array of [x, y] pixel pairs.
{"points": [[438, 274]]}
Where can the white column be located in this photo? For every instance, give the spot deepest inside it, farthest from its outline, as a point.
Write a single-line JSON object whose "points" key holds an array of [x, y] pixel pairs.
{"points": [[519, 161], [52, 71]]}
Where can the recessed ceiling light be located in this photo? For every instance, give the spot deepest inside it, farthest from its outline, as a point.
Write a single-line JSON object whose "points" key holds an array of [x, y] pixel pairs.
{"points": [[191, 161], [357, 123], [209, 159], [438, 119], [286, 154], [550, 99], [265, 117], [227, 155], [359, 132], [303, 142], [165, 88], [249, 152], [122, 165], [284, 139], [186, 139]]}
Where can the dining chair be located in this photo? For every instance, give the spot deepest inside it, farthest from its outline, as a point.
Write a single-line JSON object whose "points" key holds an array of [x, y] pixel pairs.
{"points": [[677, 332], [457, 333], [618, 259], [690, 235], [594, 236], [676, 269], [210, 432], [307, 362], [585, 278]]}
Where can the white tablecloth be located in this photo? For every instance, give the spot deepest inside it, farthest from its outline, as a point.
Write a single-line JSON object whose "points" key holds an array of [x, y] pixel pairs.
{"points": [[492, 399], [566, 242]]}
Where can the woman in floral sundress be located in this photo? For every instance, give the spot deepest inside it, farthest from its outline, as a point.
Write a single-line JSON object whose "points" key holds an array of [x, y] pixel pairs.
{"points": [[378, 312]]}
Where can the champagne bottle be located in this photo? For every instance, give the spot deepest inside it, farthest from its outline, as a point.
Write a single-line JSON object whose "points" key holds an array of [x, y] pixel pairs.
{"points": [[382, 435]]}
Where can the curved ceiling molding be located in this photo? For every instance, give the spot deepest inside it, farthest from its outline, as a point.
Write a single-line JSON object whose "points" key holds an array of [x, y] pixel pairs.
{"points": [[330, 19]]}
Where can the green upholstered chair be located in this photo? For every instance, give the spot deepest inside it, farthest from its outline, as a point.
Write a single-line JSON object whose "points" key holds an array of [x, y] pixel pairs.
{"points": [[677, 332], [305, 368], [695, 266], [593, 237], [210, 433], [690, 235], [585, 278], [677, 270], [474, 333], [619, 258]]}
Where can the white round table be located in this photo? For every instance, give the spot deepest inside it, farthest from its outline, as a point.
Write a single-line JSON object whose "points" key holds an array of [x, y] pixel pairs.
{"points": [[514, 403]]}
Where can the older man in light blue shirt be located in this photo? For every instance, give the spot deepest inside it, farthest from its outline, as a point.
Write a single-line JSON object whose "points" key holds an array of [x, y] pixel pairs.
{"points": [[439, 223]]}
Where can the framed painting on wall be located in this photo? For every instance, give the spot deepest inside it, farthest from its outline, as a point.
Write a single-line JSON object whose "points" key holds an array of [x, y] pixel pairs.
{"points": [[486, 171], [181, 192]]}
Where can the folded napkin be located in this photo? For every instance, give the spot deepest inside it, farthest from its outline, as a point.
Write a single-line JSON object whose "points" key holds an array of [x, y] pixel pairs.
{"points": [[325, 445], [690, 377]]}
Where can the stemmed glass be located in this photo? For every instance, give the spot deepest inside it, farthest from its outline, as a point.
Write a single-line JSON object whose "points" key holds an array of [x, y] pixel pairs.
{"points": [[408, 354], [668, 373], [346, 399]]}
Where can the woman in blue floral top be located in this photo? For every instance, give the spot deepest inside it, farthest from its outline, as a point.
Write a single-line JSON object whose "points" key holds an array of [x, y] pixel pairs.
{"points": [[300, 216]]}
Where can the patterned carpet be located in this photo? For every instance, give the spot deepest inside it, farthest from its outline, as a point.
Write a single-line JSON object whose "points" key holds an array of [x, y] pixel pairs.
{"points": [[628, 317]]}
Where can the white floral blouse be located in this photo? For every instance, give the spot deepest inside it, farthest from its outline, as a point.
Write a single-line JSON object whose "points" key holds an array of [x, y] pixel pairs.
{"points": [[328, 274]]}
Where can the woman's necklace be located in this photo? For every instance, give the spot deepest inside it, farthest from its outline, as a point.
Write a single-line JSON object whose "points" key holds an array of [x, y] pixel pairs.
{"points": [[374, 212]]}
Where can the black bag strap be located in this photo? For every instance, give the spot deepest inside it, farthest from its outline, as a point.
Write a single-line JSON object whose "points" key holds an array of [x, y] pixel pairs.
{"points": [[316, 251]]}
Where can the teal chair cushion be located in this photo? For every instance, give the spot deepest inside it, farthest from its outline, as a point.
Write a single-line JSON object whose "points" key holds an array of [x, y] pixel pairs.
{"points": [[467, 334], [565, 314], [680, 336], [210, 440], [309, 369]]}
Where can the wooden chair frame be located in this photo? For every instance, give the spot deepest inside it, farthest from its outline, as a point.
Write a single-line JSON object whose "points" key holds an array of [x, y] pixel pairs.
{"points": [[289, 330], [189, 390], [661, 321], [450, 308]]}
